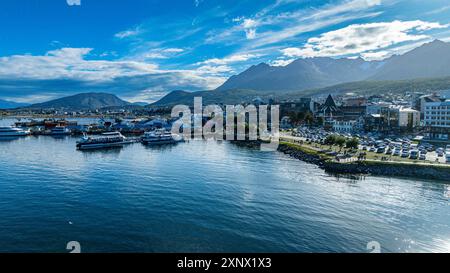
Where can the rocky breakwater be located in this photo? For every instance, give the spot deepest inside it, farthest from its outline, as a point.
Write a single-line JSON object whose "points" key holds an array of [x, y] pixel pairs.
{"points": [[379, 168], [302, 154]]}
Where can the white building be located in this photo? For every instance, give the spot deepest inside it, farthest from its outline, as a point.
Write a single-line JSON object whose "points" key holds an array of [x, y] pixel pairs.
{"points": [[345, 126], [408, 117], [437, 119], [400, 117]]}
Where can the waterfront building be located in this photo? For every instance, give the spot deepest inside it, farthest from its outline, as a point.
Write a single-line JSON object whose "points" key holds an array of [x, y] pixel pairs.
{"points": [[344, 118], [374, 108], [353, 112], [437, 119], [420, 102], [345, 126], [400, 118], [329, 109]]}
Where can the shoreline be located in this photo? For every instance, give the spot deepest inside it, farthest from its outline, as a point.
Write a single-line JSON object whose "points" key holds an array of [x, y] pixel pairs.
{"points": [[376, 168]]}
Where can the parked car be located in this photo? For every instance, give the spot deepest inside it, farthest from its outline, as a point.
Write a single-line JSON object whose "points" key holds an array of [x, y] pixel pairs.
{"points": [[414, 154]]}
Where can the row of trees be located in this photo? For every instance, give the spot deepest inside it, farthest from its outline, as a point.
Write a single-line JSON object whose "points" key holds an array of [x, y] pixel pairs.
{"points": [[349, 143]]}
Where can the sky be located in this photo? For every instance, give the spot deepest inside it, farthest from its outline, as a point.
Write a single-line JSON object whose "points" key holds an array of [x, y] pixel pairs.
{"points": [[142, 49]]}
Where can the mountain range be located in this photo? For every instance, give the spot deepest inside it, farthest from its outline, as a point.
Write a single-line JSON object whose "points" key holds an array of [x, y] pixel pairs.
{"points": [[6, 104], [431, 60], [83, 101], [423, 69]]}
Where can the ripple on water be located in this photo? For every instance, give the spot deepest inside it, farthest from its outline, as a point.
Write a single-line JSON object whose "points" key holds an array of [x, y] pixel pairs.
{"points": [[205, 196]]}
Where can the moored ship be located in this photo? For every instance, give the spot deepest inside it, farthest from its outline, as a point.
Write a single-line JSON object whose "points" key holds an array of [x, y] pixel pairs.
{"points": [[60, 131], [13, 132], [158, 137], [106, 140]]}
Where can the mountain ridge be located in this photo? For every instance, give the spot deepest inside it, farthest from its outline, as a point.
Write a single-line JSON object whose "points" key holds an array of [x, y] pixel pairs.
{"points": [[430, 60], [368, 88], [7, 104], [82, 101]]}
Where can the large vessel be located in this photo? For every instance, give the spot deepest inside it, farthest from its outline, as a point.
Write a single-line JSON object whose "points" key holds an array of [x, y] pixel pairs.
{"points": [[106, 140], [158, 137], [60, 131], [13, 132]]}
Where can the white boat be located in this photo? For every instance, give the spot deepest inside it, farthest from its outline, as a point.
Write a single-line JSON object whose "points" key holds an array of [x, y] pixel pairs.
{"points": [[158, 137], [60, 131], [13, 132], [447, 153], [106, 140]]}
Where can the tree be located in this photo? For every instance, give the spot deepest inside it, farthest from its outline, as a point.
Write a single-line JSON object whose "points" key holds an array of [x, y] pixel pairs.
{"points": [[308, 118], [340, 141], [352, 143], [330, 140]]}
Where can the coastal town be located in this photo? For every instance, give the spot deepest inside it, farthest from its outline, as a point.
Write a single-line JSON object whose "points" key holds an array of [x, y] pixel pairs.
{"points": [[412, 127]]}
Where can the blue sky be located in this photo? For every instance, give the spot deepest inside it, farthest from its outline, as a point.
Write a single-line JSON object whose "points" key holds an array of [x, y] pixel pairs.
{"points": [[142, 49]]}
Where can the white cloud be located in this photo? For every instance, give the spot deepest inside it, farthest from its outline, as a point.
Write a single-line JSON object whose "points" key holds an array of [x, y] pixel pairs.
{"points": [[213, 70], [69, 63], [281, 62], [373, 56], [363, 38], [173, 50], [230, 59], [250, 33], [282, 26], [128, 33], [73, 2], [67, 71], [249, 23], [160, 53]]}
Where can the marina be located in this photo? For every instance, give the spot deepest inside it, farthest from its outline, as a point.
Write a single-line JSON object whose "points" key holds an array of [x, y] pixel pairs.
{"points": [[222, 198]]}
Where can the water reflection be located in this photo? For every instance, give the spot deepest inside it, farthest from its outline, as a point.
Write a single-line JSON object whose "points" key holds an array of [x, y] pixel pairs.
{"points": [[9, 139], [114, 151], [162, 147], [59, 137]]}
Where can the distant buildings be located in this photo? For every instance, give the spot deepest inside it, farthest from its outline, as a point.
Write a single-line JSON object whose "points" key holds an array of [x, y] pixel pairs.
{"points": [[300, 105], [357, 101], [420, 102], [345, 126], [400, 118], [437, 118], [357, 114]]}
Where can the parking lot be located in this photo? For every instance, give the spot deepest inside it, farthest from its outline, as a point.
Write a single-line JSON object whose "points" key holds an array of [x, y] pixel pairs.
{"points": [[399, 148]]}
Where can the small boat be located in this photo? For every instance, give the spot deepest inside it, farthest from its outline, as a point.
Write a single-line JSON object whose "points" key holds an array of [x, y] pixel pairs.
{"points": [[158, 137], [60, 131], [106, 140], [13, 132]]}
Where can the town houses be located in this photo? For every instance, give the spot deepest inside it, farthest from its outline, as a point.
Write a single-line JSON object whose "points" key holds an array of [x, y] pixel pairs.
{"points": [[424, 115]]}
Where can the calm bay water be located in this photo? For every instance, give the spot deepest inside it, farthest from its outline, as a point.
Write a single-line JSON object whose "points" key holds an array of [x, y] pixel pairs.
{"points": [[205, 196]]}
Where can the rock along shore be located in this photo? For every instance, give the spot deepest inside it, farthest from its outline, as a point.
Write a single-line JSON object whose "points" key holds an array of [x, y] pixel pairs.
{"points": [[377, 168]]}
